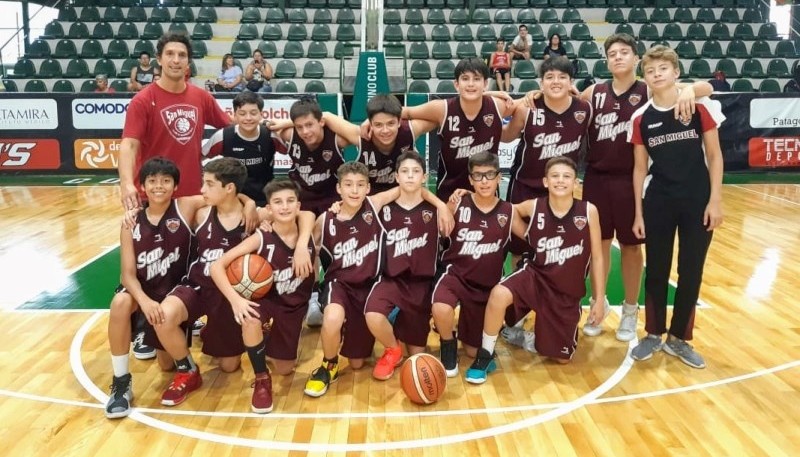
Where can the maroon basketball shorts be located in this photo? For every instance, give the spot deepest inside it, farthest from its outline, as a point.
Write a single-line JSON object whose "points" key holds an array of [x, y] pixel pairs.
{"points": [[282, 324], [613, 197], [358, 340], [222, 336], [453, 291], [518, 193], [557, 315], [413, 297], [316, 202]]}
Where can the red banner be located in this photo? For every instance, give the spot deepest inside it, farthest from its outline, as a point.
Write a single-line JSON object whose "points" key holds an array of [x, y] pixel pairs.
{"points": [[29, 154], [774, 152]]}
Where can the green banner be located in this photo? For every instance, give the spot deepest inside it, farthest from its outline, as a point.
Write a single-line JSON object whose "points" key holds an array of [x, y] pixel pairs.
{"points": [[371, 80]]}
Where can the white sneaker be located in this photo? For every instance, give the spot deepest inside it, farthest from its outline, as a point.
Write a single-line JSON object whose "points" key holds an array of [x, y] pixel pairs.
{"points": [[594, 330], [517, 336], [314, 314], [627, 323]]}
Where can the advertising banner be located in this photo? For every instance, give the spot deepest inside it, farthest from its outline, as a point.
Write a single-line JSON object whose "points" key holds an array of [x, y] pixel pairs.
{"points": [[29, 114], [19, 154]]}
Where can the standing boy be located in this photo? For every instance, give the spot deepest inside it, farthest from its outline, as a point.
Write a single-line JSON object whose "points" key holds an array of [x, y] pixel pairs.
{"points": [[683, 160]]}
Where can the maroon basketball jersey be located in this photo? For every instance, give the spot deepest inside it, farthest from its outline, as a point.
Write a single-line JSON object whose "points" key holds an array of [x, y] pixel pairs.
{"points": [[478, 243], [213, 240], [560, 247], [163, 251], [548, 134], [286, 287], [351, 249], [461, 138], [382, 165], [315, 171], [609, 151], [412, 240]]}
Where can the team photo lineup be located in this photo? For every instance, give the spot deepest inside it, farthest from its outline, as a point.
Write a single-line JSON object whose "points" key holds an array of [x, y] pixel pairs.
{"points": [[220, 253]]}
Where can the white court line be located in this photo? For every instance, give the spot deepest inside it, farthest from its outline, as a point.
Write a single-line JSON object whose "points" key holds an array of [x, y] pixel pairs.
{"points": [[774, 197], [565, 408]]}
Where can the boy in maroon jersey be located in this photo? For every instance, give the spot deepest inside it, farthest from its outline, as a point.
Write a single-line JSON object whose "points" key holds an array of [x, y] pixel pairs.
{"points": [[350, 243], [564, 235], [683, 160], [468, 124], [280, 313], [473, 260], [218, 228], [412, 245], [154, 256]]}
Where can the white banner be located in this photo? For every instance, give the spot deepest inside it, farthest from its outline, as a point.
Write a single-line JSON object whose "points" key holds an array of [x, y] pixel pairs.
{"points": [[99, 113], [771, 113], [29, 114]]}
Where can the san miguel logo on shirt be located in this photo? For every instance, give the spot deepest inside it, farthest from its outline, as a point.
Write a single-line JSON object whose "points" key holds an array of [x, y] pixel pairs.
{"points": [[502, 219], [580, 222], [367, 217], [173, 225], [427, 216], [634, 99], [181, 121], [488, 119], [580, 116], [327, 155]]}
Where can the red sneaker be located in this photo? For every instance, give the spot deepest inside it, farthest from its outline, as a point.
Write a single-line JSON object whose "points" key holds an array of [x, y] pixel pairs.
{"points": [[384, 368], [262, 394], [182, 384]]}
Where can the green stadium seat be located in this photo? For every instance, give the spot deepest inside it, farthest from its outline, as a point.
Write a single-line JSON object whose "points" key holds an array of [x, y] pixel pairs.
{"points": [[53, 30], [297, 16], [117, 49], [687, 50], [418, 87], [614, 15], [414, 33], [684, 16], [616, 3], [321, 32], [445, 69], [394, 49], [719, 31], [67, 14], [421, 3], [712, 49], [627, 28], [92, 49], [295, 3], [729, 15], [247, 32], [696, 32], [315, 87], [268, 49], [761, 49], [537, 49], [293, 50], [502, 3], [699, 69], [637, 15], [286, 87], [24, 68], [184, 14], [199, 49], [102, 31], [526, 16], [336, 4], [480, 16], [160, 14], [418, 50], [78, 30], [534, 31], [136, 14], [559, 29], [202, 31], [143, 46], [571, 16], [581, 70], [456, 3], [297, 32], [125, 69], [88, 86], [538, 3], [39, 49], [462, 33], [486, 33], [509, 31], [50, 68], [548, 16], [768, 31], [446, 87], [597, 3], [600, 69], [317, 4], [35, 85], [207, 14], [317, 50], [105, 67], [777, 68], [152, 31], [119, 85], [769, 85], [728, 67], [752, 15], [285, 69], [420, 69], [589, 50], [64, 86], [466, 50], [172, 3], [323, 16], [313, 69], [744, 32], [392, 17], [440, 33], [742, 85], [250, 15], [441, 50], [519, 3], [785, 49], [272, 32], [737, 49], [503, 16], [524, 69], [345, 16], [660, 16], [77, 68], [435, 16], [648, 32], [127, 31], [345, 32], [457, 16], [180, 27], [707, 16], [580, 32], [527, 85], [343, 49]]}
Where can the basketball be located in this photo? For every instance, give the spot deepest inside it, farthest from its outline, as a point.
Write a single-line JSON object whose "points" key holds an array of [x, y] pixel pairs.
{"points": [[250, 275], [423, 379]]}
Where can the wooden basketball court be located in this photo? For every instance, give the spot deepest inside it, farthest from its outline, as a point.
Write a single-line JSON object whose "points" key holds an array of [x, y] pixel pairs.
{"points": [[56, 366]]}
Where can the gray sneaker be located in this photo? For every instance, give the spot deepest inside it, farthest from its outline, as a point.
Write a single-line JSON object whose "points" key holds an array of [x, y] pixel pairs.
{"points": [[517, 336], [119, 401], [684, 351], [627, 323], [594, 330], [314, 313], [647, 347]]}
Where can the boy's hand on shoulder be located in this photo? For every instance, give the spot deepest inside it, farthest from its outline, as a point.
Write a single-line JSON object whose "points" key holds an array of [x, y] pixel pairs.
{"points": [[685, 106], [301, 262], [250, 218], [446, 222], [336, 207], [457, 195]]}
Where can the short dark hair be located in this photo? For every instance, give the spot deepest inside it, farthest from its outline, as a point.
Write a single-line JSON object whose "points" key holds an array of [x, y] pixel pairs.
{"points": [[246, 98], [523, 26], [159, 166], [411, 155], [257, 51], [484, 159], [279, 184], [227, 170], [176, 37], [471, 65], [560, 160], [558, 63], [623, 38], [303, 107], [144, 53], [353, 167], [384, 103]]}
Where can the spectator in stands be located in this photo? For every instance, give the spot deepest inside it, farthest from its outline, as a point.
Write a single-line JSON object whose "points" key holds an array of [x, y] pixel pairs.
{"points": [[258, 74], [520, 48], [555, 48], [794, 84], [500, 66], [143, 73], [230, 76], [102, 84], [719, 83]]}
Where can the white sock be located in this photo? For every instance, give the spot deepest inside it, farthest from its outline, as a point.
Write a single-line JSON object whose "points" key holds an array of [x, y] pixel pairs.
{"points": [[629, 308], [488, 342], [120, 365]]}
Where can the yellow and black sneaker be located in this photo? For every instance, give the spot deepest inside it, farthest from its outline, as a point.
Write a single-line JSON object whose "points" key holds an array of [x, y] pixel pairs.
{"points": [[321, 378]]}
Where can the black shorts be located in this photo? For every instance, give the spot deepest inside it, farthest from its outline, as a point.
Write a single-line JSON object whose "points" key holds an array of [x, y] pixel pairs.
{"points": [[501, 71]]}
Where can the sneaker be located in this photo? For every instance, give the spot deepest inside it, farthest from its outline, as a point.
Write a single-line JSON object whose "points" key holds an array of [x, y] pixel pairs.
{"points": [[321, 378], [448, 354], [119, 401], [483, 365], [594, 330], [314, 314], [262, 394], [384, 368], [140, 350], [647, 347], [627, 323], [197, 327], [184, 383], [684, 351], [517, 336]]}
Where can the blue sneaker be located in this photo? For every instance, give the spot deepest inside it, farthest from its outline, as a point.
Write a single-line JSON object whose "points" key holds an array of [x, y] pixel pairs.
{"points": [[393, 315], [483, 365]]}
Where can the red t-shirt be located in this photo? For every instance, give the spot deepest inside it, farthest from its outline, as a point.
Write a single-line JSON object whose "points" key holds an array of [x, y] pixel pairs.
{"points": [[171, 125], [500, 60]]}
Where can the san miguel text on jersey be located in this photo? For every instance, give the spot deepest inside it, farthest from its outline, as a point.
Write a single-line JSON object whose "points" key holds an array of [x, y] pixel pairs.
{"points": [[382, 165], [351, 248], [286, 287], [412, 240], [609, 151], [213, 240], [314, 170]]}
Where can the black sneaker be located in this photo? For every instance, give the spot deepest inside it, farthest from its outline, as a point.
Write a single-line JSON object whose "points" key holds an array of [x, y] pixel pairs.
{"points": [[120, 398], [140, 350], [448, 354], [483, 365], [197, 327]]}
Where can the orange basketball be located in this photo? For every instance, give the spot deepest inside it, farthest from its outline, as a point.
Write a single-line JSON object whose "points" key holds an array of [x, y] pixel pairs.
{"points": [[423, 379], [250, 275]]}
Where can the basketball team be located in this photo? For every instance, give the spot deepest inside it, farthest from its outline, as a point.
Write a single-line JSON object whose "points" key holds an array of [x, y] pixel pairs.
{"points": [[365, 250]]}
